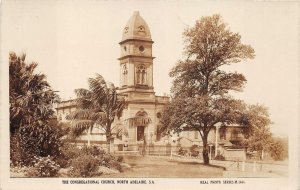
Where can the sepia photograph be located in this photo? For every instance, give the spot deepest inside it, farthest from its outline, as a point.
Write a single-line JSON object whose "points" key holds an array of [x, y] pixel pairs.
{"points": [[149, 94]]}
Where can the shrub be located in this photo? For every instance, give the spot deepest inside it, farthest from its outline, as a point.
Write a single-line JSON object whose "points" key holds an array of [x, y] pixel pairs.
{"points": [[182, 152], [15, 151], [70, 151], [93, 150], [194, 150], [43, 167], [110, 161], [33, 140], [115, 165], [84, 166], [120, 158]]}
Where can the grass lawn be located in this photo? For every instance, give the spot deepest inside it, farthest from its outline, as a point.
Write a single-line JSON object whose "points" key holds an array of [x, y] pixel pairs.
{"points": [[166, 167]]}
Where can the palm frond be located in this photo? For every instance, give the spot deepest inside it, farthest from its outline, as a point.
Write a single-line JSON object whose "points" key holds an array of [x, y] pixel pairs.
{"points": [[138, 120], [84, 114], [78, 127], [82, 123]]}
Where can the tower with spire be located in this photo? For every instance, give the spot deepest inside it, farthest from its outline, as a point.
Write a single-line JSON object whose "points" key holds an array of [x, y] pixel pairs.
{"points": [[136, 60], [136, 82]]}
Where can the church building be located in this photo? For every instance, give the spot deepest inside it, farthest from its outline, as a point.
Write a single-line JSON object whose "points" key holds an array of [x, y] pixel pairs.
{"points": [[140, 120]]}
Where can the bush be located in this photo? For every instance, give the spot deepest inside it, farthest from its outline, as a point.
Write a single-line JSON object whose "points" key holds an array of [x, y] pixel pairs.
{"points": [[67, 152], [182, 152], [43, 167], [93, 150], [120, 158], [84, 166], [110, 161], [33, 140], [84, 161], [194, 151], [115, 165], [15, 151]]}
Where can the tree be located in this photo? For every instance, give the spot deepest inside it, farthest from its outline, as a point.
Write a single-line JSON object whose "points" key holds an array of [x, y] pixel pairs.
{"points": [[97, 107], [30, 96], [278, 148], [200, 89], [258, 136]]}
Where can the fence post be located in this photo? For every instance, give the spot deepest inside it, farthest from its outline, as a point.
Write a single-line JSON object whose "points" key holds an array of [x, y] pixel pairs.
{"points": [[254, 166], [238, 165], [171, 153], [261, 164], [243, 166]]}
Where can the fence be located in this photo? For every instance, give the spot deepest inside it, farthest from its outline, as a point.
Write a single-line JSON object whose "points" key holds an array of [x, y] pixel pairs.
{"points": [[253, 166], [158, 150]]}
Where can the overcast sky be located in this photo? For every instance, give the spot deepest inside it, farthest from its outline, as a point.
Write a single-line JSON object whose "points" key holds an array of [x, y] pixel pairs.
{"points": [[73, 40]]}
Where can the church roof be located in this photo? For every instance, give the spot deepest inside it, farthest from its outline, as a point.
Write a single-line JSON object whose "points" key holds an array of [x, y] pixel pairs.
{"points": [[136, 28]]}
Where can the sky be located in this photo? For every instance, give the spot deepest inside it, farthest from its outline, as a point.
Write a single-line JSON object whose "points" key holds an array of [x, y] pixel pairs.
{"points": [[74, 39]]}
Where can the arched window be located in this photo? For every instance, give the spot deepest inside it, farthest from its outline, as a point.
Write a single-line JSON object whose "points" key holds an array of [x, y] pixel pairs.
{"points": [[141, 74], [124, 75]]}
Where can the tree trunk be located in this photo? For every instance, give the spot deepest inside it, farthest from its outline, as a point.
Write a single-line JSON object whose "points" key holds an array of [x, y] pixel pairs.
{"points": [[108, 137], [89, 136], [205, 152]]}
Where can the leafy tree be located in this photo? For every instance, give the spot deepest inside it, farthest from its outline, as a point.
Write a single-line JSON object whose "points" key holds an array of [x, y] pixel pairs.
{"points": [[200, 87], [258, 134], [278, 149], [97, 107], [30, 96]]}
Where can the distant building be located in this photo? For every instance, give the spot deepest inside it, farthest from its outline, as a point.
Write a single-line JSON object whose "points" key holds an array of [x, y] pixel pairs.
{"points": [[141, 116]]}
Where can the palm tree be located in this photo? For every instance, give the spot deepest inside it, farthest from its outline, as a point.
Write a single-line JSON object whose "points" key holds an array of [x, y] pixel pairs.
{"points": [[97, 107], [30, 95], [31, 98]]}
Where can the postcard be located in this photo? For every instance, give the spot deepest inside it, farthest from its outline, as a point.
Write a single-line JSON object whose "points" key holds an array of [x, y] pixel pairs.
{"points": [[149, 94]]}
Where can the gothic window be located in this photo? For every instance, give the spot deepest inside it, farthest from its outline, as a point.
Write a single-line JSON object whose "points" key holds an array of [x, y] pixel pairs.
{"points": [[141, 74], [124, 74]]}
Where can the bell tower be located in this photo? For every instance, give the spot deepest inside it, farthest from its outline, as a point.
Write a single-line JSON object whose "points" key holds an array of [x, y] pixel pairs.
{"points": [[136, 61]]}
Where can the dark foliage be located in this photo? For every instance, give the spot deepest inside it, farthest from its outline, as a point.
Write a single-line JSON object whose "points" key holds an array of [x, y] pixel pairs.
{"points": [[32, 131]]}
